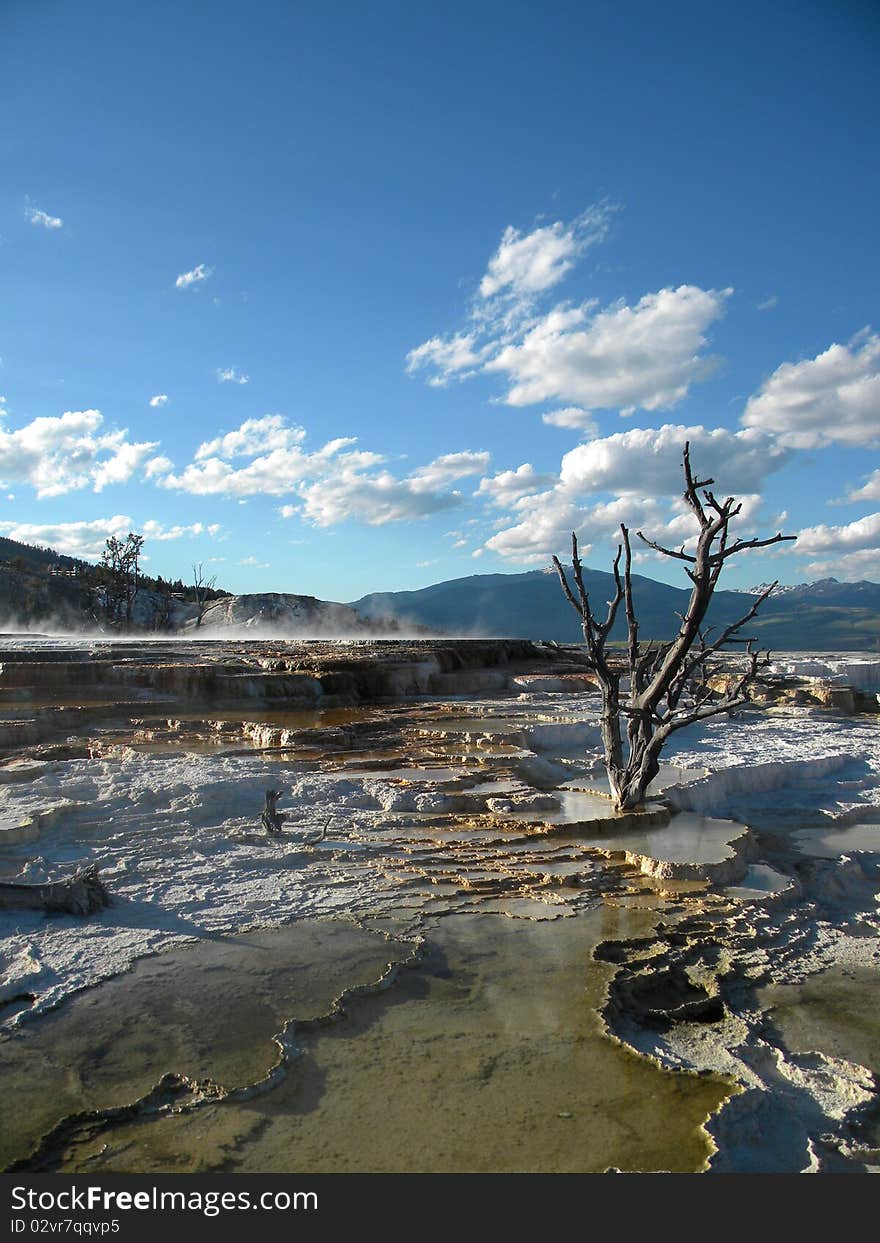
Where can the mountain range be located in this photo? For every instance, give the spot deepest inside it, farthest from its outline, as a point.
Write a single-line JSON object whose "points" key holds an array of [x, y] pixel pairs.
{"points": [[828, 615], [822, 616]]}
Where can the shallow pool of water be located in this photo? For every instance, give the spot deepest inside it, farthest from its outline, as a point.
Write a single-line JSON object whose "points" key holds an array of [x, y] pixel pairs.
{"points": [[826, 843], [688, 838], [488, 1056]]}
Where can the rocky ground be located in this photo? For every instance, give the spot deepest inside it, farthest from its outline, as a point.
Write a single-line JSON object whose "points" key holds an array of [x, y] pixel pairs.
{"points": [[451, 780]]}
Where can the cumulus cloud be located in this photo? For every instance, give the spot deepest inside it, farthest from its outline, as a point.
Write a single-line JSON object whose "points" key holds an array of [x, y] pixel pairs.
{"points": [[834, 397], [42, 218], [573, 418], [449, 467], [266, 457], [548, 519], [63, 454], [271, 474], [156, 466], [155, 530], [634, 478], [851, 566], [648, 462], [194, 276], [510, 486], [121, 465], [622, 357], [251, 438], [353, 491], [545, 530], [161, 399], [527, 264], [87, 539], [870, 491], [459, 355], [229, 375], [545, 523], [618, 357], [863, 533], [376, 499], [524, 267], [277, 472]]}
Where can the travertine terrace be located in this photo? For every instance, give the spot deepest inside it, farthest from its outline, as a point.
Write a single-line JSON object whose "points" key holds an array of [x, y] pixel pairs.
{"points": [[472, 882]]}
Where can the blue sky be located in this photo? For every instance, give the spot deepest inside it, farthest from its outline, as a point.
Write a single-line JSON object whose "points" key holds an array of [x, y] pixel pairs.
{"points": [[336, 298]]}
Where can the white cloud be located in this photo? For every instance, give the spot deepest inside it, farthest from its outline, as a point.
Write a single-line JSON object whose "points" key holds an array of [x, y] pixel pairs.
{"points": [[161, 399], [850, 567], [58, 455], [35, 216], [572, 417], [449, 467], [768, 304], [648, 462], [331, 484], [458, 356], [121, 465], [253, 561], [634, 478], [272, 474], [156, 466], [622, 357], [87, 539], [863, 533], [522, 269], [351, 490], [547, 520], [229, 375], [510, 486], [870, 491], [834, 397], [618, 357], [374, 499], [276, 473], [194, 276], [155, 530], [253, 437], [527, 264], [546, 529]]}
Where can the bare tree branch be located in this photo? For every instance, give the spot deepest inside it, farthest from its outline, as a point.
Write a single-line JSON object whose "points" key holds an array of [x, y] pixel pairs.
{"points": [[667, 552]]}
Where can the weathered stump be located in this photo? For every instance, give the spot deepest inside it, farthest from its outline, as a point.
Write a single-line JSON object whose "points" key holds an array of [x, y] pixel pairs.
{"points": [[272, 819], [81, 894]]}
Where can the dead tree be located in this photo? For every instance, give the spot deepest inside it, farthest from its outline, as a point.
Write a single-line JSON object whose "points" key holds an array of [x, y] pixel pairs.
{"points": [[272, 819], [665, 685], [203, 589]]}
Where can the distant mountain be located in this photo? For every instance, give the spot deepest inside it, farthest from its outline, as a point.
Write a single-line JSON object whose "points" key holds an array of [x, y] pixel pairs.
{"points": [[827, 591], [828, 615], [845, 616]]}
